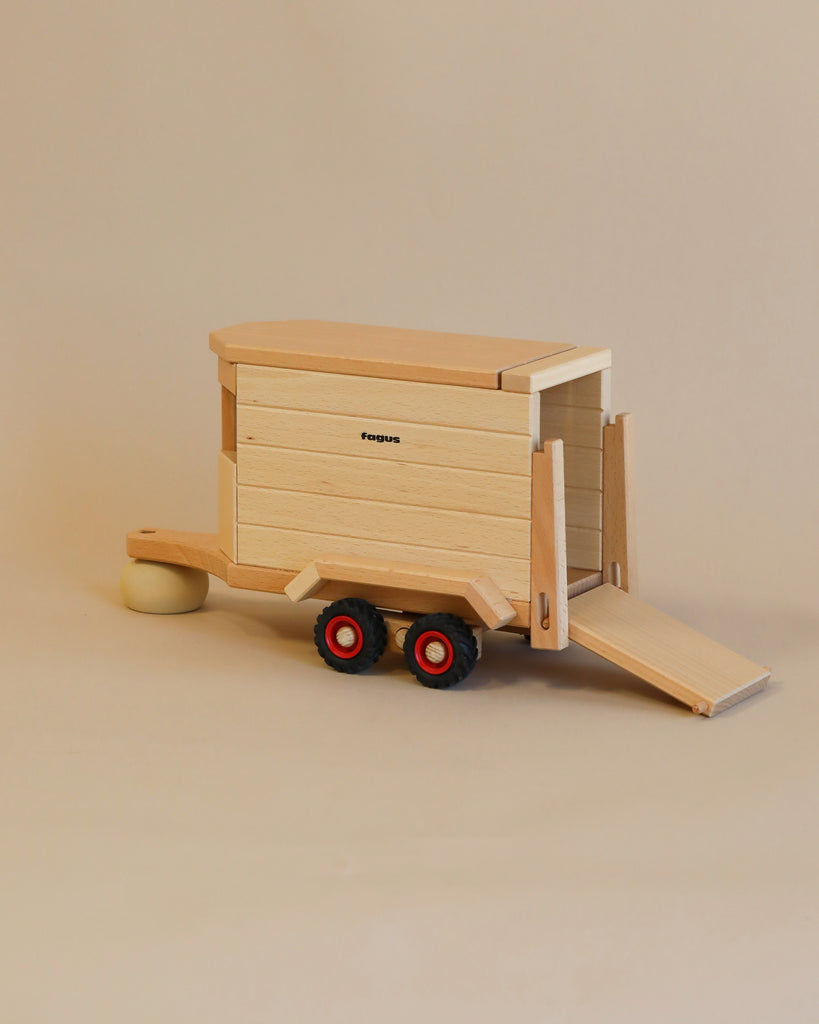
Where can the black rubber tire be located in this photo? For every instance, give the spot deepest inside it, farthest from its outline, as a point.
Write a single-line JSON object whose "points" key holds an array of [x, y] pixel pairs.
{"points": [[461, 650], [366, 620]]}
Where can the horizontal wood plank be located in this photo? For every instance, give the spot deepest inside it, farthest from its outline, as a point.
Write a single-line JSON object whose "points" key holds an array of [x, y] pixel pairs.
{"points": [[387, 521], [393, 400], [573, 424], [293, 549], [584, 548], [590, 392], [418, 444], [584, 507], [464, 490], [583, 467]]}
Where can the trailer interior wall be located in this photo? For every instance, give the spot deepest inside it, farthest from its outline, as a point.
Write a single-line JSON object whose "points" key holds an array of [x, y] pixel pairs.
{"points": [[316, 473], [226, 465], [576, 412]]}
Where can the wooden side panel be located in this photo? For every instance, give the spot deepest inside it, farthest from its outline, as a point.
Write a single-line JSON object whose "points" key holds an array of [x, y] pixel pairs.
{"points": [[549, 606], [227, 503], [228, 421], [573, 424], [418, 443], [577, 411], [293, 549], [397, 470], [370, 399], [227, 375], [619, 549], [431, 487], [383, 520]]}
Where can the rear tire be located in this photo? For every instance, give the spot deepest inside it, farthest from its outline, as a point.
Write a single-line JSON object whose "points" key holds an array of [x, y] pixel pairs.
{"points": [[440, 650], [350, 635]]}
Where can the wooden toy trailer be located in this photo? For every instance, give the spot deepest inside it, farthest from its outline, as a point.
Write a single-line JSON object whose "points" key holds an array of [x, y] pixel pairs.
{"points": [[431, 487]]}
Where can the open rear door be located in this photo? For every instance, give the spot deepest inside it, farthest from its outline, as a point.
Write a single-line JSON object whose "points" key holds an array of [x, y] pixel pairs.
{"points": [[697, 671]]}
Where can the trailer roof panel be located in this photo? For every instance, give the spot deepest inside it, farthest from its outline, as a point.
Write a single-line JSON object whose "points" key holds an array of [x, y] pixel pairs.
{"points": [[539, 374], [368, 351]]}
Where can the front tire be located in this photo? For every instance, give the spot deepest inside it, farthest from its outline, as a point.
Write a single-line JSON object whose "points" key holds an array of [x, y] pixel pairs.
{"points": [[440, 650], [350, 635]]}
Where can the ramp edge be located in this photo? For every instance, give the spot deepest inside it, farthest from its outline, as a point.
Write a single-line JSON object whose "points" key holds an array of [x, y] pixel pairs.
{"points": [[741, 692]]}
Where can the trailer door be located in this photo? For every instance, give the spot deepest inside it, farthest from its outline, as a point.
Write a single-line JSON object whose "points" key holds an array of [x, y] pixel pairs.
{"points": [[689, 666]]}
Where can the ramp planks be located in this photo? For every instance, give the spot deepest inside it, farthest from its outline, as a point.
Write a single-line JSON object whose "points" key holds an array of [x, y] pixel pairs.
{"points": [[673, 657]]}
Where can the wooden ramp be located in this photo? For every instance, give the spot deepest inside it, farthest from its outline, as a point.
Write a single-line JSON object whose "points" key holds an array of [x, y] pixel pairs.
{"points": [[697, 671]]}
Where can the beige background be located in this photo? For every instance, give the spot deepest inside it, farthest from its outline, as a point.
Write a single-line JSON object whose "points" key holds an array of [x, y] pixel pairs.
{"points": [[198, 820]]}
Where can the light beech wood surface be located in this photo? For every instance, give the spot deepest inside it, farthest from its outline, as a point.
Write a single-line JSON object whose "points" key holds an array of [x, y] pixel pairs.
{"points": [[397, 353], [691, 667]]}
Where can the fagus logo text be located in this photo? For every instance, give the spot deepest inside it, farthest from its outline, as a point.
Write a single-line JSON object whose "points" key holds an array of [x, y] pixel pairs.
{"points": [[381, 438]]}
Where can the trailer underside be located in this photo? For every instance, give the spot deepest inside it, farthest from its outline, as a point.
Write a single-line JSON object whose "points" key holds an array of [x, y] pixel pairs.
{"points": [[602, 618]]}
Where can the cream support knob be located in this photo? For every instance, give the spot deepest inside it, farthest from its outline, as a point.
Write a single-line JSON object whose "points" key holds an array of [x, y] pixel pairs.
{"points": [[161, 588]]}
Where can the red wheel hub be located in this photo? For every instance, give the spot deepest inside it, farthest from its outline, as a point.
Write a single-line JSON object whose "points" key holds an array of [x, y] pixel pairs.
{"points": [[423, 655], [344, 636]]}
